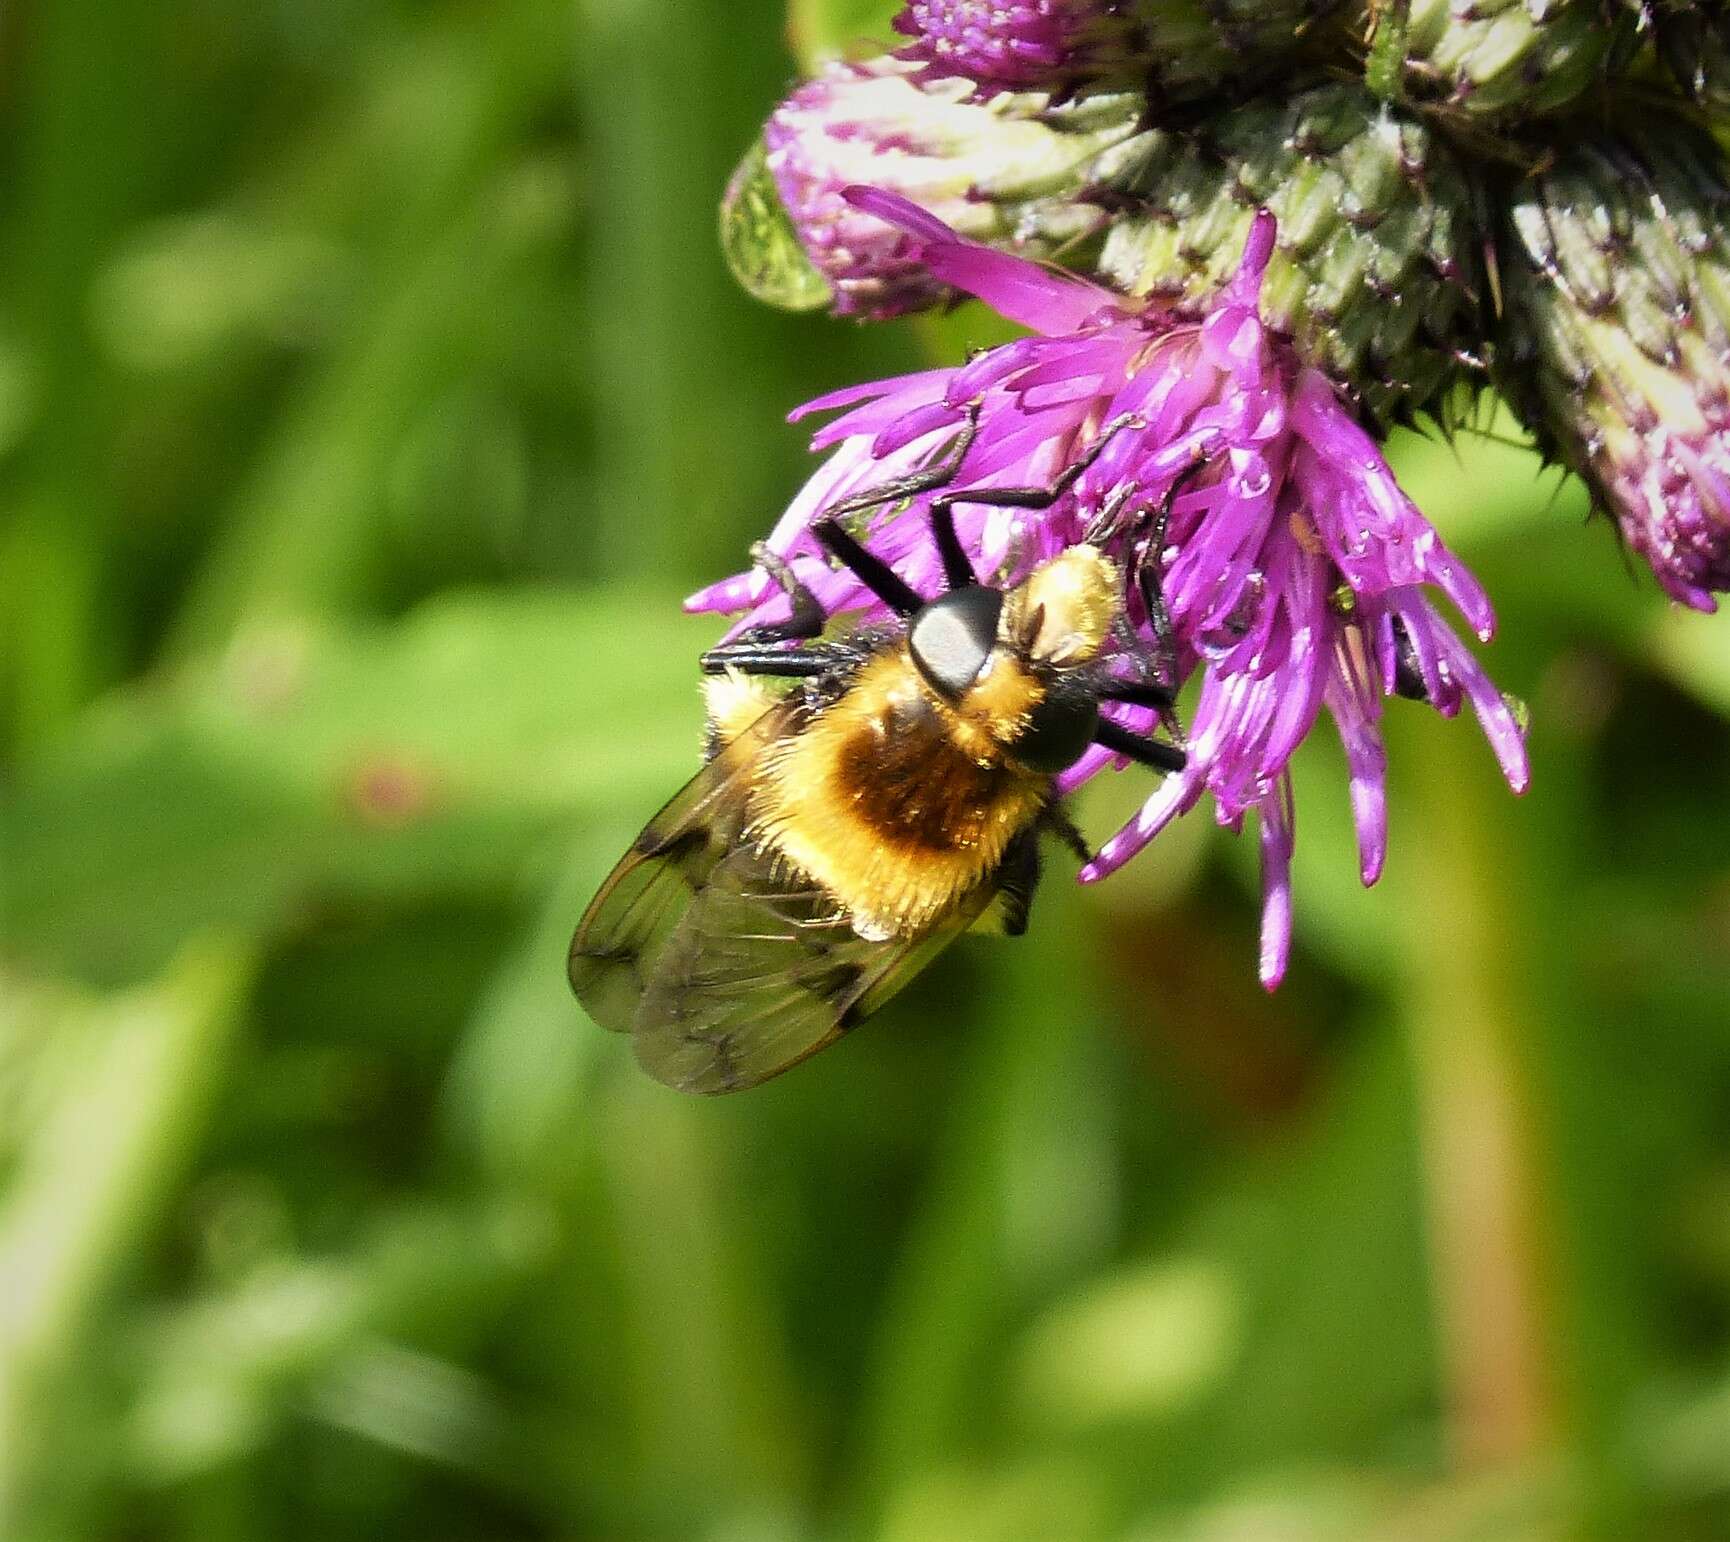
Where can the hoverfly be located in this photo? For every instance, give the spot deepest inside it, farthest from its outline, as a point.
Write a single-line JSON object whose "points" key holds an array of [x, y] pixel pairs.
{"points": [[843, 833]]}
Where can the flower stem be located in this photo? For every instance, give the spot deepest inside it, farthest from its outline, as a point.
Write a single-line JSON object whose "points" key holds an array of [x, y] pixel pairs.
{"points": [[1492, 1258]]}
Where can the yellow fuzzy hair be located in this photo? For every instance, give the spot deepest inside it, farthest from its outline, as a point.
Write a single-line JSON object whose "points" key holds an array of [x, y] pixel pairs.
{"points": [[887, 888]]}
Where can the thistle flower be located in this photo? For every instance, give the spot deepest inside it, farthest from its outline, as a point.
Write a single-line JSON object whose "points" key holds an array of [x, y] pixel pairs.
{"points": [[1177, 50], [1017, 43], [1016, 170], [1617, 348], [1294, 570]]}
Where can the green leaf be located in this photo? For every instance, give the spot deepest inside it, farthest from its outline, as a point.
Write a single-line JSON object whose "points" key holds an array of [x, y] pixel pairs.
{"points": [[1696, 654], [436, 756], [821, 30], [95, 1169]]}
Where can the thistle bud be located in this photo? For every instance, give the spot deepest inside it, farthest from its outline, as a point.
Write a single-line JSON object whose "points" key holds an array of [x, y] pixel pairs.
{"points": [[1374, 274], [1017, 170], [1176, 50], [1502, 59], [1616, 344]]}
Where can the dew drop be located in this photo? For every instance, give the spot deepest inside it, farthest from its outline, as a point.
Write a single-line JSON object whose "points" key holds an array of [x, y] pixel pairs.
{"points": [[1226, 634]]}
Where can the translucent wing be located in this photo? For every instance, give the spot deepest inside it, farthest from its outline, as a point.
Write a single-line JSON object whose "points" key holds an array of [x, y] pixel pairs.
{"points": [[618, 944], [760, 972]]}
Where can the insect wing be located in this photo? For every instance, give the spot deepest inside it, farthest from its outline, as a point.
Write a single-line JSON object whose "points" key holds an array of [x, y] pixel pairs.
{"points": [[618, 943], [762, 972]]}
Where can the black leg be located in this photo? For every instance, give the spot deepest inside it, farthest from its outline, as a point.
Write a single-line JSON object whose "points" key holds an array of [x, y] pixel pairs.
{"points": [[1038, 497], [805, 619], [1164, 662], [1156, 685], [1103, 526], [871, 570], [1147, 574], [1147, 752], [754, 657], [1064, 828], [1139, 693], [957, 570], [1019, 882], [1153, 596], [915, 482], [1408, 676]]}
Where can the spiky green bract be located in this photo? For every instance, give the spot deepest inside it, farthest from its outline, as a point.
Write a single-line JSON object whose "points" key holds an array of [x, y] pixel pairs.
{"points": [[1616, 345], [1017, 169], [1198, 48], [1694, 42], [1195, 50], [1375, 273], [1503, 60]]}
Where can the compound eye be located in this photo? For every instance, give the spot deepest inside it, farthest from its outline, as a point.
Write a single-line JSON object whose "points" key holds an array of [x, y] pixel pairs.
{"points": [[951, 638], [1058, 731]]}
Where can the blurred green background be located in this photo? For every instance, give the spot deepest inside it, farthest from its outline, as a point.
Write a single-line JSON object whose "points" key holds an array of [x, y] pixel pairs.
{"points": [[370, 391]]}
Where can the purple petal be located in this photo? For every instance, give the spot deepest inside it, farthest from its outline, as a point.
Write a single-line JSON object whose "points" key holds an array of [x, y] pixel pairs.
{"points": [[1093, 760], [730, 594], [1367, 762], [1498, 721], [872, 417], [994, 365], [870, 391], [914, 424], [1258, 249], [1046, 300], [1278, 817], [1043, 299], [1174, 796], [900, 212], [1235, 341]]}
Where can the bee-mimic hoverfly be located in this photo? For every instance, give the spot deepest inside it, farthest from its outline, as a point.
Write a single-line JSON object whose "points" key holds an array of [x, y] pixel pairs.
{"points": [[844, 831]]}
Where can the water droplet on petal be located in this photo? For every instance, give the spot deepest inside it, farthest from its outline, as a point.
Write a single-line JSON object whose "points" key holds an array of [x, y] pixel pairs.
{"points": [[1225, 634], [1255, 482]]}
